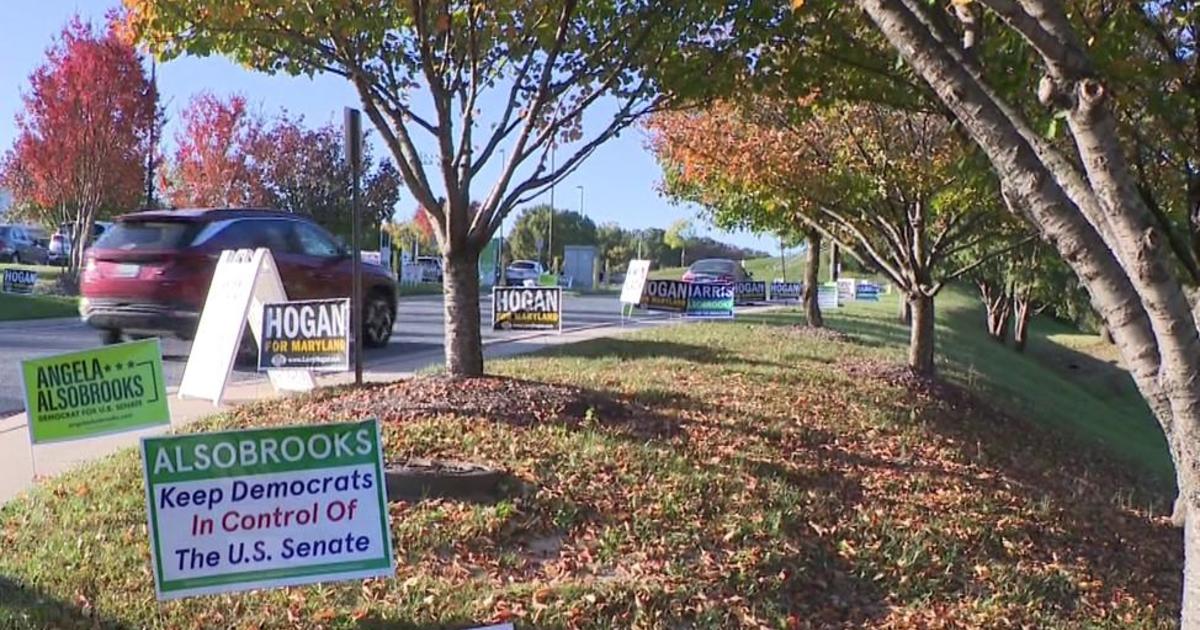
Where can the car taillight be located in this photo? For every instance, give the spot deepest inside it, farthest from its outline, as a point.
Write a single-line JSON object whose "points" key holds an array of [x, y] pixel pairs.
{"points": [[89, 266]]}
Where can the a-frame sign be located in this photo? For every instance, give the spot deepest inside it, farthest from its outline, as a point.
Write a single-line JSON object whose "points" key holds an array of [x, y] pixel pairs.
{"points": [[244, 280]]}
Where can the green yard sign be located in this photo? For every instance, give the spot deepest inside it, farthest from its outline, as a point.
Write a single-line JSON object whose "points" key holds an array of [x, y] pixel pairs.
{"points": [[94, 392], [264, 508]]}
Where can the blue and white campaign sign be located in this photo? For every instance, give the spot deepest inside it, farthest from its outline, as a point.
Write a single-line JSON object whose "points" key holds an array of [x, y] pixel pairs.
{"points": [[19, 281], [866, 291], [749, 292], [709, 301], [827, 296], [845, 289], [783, 291]]}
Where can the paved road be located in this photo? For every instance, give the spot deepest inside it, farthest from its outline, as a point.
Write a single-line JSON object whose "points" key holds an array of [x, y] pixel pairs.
{"points": [[418, 330]]}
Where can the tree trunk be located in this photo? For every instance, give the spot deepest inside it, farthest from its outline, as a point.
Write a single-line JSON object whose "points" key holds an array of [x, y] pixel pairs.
{"points": [[835, 261], [920, 345], [1096, 228], [460, 288], [1022, 314], [812, 278], [904, 311], [997, 304], [1106, 334]]}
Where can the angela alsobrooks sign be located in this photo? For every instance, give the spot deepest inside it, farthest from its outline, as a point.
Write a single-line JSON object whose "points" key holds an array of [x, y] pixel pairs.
{"points": [[310, 334], [262, 508], [527, 308], [104, 390]]}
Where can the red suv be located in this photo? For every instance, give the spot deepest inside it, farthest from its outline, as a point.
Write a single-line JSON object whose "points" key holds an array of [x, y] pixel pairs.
{"points": [[149, 273]]}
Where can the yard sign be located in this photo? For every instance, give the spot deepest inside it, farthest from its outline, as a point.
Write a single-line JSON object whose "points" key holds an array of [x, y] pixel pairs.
{"points": [[264, 508], [243, 282], [95, 392]]}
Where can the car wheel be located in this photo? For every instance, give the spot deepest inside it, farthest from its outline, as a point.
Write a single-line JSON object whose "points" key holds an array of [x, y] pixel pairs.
{"points": [[377, 321], [109, 336]]}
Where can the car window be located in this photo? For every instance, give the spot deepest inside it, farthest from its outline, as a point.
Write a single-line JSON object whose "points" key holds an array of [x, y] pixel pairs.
{"points": [[313, 241], [714, 266], [129, 235], [272, 234], [521, 264]]}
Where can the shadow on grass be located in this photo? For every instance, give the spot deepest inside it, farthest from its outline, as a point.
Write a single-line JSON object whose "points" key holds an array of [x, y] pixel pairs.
{"points": [[26, 607]]}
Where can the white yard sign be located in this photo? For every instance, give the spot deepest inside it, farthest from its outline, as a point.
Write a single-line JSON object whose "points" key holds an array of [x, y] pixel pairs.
{"points": [[243, 282], [635, 281]]}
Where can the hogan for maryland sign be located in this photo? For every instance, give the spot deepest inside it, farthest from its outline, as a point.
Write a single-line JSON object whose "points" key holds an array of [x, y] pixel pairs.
{"points": [[309, 334], [261, 508], [527, 308]]}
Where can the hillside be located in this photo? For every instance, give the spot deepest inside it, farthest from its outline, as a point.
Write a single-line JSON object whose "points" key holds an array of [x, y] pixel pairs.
{"points": [[740, 474]]}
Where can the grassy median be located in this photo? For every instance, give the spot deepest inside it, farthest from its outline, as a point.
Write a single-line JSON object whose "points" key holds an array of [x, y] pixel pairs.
{"points": [[745, 474]]}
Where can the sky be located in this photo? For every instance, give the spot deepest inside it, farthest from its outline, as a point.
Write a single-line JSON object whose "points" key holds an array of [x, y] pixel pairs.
{"points": [[619, 180]]}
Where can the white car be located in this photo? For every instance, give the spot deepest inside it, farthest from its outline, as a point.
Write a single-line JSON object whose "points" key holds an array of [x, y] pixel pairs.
{"points": [[523, 272]]}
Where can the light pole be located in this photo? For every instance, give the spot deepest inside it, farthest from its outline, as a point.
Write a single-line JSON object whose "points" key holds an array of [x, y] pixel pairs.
{"points": [[550, 235], [581, 214]]}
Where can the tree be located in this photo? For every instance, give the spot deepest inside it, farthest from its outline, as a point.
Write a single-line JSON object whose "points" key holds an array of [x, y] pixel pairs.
{"points": [[679, 234], [532, 228], [894, 189], [541, 67], [304, 171], [83, 135], [1082, 196], [214, 164]]}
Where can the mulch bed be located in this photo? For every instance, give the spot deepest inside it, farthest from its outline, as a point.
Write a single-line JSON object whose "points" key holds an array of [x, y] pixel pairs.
{"points": [[512, 401]]}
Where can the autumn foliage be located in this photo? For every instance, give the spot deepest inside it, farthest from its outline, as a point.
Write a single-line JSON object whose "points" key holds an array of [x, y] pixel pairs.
{"points": [[214, 164], [83, 133]]}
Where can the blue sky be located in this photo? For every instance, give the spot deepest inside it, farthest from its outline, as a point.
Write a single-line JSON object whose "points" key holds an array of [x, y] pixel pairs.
{"points": [[619, 180]]}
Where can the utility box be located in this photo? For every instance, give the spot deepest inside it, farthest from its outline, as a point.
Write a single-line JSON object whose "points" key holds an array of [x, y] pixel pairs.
{"points": [[579, 266]]}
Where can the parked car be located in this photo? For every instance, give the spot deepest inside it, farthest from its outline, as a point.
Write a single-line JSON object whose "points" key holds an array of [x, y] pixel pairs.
{"points": [[431, 268], [17, 245], [716, 271], [521, 271], [60, 241], [149, 274]]}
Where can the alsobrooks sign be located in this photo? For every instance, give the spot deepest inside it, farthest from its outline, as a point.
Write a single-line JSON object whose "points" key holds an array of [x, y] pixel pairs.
{"points": [[527, 308], [262, 508], [309, 334], [105, 390]]}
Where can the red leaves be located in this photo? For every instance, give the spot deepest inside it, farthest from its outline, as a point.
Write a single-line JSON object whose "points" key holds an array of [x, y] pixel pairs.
{"points": [[83, 134], [214, 164]]}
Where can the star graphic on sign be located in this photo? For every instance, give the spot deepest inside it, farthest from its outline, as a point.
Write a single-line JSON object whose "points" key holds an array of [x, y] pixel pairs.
{"points": [[108, 368], [129, 365], [119, 367]]}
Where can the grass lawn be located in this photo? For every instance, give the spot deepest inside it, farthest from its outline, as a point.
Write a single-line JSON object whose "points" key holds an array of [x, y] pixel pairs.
{"points": [[740, 474], [14, 307]]}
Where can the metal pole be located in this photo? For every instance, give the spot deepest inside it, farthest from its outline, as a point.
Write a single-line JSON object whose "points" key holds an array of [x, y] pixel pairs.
{"points": [[153, 130], [354, 155], [782, 259], [550, 236], [581, 214]]}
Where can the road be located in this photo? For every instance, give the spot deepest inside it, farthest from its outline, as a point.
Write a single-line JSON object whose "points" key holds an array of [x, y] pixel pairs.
{"points": [[418, 331]]}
